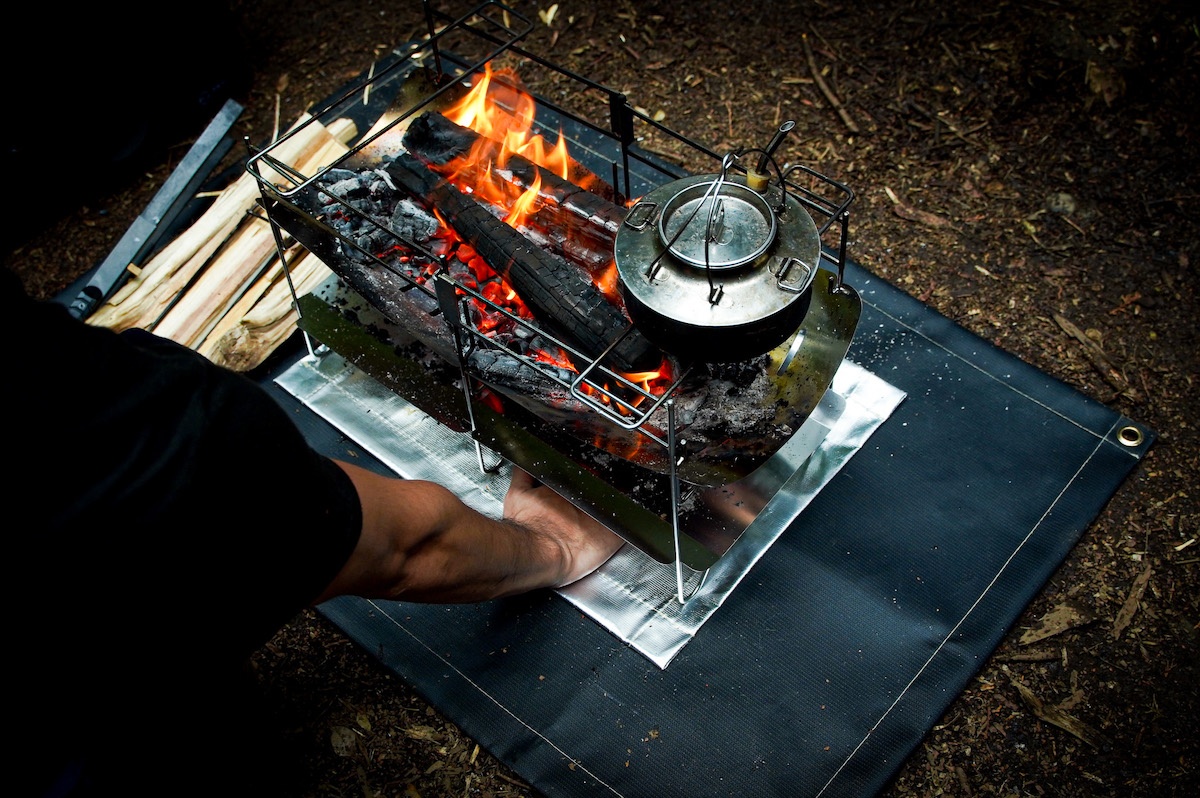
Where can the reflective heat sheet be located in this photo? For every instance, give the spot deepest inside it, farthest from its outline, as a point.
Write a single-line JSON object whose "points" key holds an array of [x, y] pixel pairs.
{"points": [[633, 596]]}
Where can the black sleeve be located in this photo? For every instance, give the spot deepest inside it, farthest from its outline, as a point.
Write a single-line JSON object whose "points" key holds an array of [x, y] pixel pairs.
{"points": [[151, 477]]}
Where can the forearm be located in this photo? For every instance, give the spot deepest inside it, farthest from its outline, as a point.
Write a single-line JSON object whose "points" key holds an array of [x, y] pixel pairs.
{"points": [[419, 542]]}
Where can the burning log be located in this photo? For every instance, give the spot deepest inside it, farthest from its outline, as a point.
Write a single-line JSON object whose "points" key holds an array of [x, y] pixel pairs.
{"points": [[501, 111], [571, 221], [728, 418], [438, 141], [555, 291]]}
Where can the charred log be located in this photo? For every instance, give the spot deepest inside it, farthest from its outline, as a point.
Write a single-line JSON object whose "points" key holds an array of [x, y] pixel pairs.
{"points": [[437, 140], [555, 292], [571, 221]]}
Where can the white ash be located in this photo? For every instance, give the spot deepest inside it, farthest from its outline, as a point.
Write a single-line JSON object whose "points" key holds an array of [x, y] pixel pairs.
{"points": [[413, 222], [738, 410], [390, 218], [349, 188], [387, 179]]}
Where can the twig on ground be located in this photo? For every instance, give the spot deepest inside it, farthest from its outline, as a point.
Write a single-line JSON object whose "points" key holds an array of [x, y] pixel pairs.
{"points": [[849, 122]]}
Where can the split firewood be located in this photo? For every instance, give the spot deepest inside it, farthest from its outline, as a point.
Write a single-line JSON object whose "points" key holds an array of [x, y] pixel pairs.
{"points": [[249, 299], [239, 262], [243, 256], [250, 333], [556, 292], [142, 301]]}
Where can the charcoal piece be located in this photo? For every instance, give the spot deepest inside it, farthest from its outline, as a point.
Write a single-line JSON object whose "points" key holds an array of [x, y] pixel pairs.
{"points": [[375, 241], [503, 369], [349, 188], [555, 291], [412, 222], [336, 174], [435, 139], [423, 300]]}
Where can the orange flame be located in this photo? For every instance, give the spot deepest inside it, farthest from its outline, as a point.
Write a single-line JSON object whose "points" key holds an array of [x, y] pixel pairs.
{"points": [[497, 108], [524, 205], [609, 283], [502, 113]]}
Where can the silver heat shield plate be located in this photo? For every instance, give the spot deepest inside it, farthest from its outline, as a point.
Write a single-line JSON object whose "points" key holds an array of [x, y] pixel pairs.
{"points": [[633, 595]]}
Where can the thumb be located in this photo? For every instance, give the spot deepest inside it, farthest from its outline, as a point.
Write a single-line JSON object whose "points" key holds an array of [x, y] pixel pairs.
{"points": [[521, 481]]}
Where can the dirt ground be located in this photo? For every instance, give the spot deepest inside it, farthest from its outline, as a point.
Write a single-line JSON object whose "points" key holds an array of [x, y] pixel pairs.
{"points": [[1017, 165]]}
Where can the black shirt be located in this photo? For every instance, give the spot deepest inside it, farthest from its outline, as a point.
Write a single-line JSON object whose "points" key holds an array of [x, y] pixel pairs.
{"points": [[164, 517]]}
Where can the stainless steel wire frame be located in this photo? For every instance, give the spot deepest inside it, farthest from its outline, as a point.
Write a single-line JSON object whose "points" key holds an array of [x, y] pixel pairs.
{"points": [[631, 406]]}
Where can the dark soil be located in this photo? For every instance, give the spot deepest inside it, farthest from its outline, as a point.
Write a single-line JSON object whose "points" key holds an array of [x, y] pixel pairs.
{"points": [[1014, 163]]}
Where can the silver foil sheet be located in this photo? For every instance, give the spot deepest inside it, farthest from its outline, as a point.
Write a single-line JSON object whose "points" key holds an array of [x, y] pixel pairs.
{"points": [[633, 595]]}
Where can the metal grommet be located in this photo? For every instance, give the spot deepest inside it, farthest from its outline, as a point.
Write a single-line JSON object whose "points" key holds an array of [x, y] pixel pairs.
{"points": [[1130, 436]]}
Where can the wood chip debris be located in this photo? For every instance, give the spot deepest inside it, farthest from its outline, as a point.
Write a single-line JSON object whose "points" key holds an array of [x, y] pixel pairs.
{"points": [[832, 98], [1129, 608], [1096, 356], [1056, 621], [1054, 715], [911, 214]]}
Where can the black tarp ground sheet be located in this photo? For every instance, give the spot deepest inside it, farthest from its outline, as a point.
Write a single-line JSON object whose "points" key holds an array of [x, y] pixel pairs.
{"points": [[848, 639]]}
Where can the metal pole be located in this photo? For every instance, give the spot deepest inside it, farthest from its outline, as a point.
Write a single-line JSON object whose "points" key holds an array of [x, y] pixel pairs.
{"points": [[671, 449]]}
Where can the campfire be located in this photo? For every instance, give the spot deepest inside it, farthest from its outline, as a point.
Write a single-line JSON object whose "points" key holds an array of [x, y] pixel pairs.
{"points": [[480, 235], [641, 337]]}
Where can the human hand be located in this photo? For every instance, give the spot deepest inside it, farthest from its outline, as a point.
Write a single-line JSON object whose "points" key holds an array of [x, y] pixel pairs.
{"points": [[586, 544]]}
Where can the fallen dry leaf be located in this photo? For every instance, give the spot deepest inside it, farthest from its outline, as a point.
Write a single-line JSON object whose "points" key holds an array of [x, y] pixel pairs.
{"points": [[423, 733], [343, 740]]}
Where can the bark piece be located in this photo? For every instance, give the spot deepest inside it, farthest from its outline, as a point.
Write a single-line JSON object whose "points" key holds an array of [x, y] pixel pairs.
{"points": [[1095, 355], [1058, 620], [1056, 717], [1129, 608]]}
